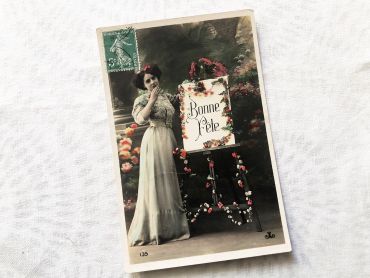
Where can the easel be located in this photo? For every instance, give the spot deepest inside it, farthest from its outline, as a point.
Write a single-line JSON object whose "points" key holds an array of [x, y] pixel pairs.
{"points": [[217, 198]]}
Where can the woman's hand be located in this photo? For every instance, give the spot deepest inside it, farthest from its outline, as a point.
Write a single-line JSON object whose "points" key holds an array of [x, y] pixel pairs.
{"points": [[154, 94], [144, 114]]}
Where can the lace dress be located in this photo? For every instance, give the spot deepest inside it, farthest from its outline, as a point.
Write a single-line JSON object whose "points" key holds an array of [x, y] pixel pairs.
{"points": [[159, 215]]}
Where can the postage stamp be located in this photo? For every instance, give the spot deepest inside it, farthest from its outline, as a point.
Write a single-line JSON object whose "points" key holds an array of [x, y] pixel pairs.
{"points": [[121, 50], [196, 174]]}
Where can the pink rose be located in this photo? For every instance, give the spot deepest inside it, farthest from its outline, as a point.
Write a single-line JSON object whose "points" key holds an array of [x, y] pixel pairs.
{"points": [[126, 167], [125, 141]]}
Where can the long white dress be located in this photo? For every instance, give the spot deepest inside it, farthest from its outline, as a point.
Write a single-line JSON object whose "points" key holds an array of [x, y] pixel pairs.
{"points": [[159, 216]]}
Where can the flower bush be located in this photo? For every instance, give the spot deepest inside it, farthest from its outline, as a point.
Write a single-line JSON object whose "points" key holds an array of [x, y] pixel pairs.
{"points": [[129, 159]]}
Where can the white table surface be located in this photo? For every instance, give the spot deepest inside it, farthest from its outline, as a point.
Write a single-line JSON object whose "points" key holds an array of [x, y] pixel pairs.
{"points": [[58, 209]]}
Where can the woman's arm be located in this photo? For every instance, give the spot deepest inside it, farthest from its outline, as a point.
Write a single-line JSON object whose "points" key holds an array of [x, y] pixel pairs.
{"points": [[143, 115]]}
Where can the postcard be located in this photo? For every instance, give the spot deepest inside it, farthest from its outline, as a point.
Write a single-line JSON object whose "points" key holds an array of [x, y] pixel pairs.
{"points": [[193, 152]]}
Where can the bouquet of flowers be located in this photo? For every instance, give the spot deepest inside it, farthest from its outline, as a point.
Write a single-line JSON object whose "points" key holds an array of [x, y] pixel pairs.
{"points": [[205, 68]]}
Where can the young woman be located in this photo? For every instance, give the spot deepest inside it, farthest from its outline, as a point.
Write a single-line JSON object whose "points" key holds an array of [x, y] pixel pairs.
{"points": [[159, 215]]}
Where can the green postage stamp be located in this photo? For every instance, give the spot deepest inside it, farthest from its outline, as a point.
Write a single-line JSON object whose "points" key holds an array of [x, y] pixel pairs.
{"points": [[121, 52]]}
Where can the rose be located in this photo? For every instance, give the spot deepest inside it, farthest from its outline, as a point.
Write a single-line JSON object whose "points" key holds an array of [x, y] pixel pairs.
{"points": [[249, 202], [192, 71], [205, 61], [124, 154], [129, 131], [219, 69], [133, 125], [182, 154], [125, 148], [134, 160], [234, 154], [125, 141], [126, 167], [136, 150]]}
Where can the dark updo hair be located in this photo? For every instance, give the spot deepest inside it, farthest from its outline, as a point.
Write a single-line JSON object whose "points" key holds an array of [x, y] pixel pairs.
{"points": [[139, 77]]}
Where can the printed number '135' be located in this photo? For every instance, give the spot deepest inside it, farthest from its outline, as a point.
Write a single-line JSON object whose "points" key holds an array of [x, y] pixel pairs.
{"points": [[143, 254]]}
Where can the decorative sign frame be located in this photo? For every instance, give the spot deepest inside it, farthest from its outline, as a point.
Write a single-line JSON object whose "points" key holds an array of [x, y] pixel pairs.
{"points": [[205, 112]]}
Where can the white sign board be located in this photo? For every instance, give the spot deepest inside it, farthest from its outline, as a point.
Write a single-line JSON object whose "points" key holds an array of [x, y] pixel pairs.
{"points": [[205, 113]]}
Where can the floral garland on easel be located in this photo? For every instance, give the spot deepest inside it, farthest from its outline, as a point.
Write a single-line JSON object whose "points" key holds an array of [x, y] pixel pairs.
{"points": [[217, 198], [204, 68], [182, 155], [243, 183]]}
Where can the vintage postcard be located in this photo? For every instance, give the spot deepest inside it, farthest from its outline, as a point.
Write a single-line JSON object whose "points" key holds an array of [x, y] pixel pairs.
{"points": [[196, 170]]}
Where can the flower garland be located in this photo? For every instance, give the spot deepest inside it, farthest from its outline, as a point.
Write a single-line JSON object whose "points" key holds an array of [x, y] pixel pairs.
{"points": [[242, 183], [217, 142], [217, 198], [207, 208], [226, 113], [182, 154], [181, 94]]}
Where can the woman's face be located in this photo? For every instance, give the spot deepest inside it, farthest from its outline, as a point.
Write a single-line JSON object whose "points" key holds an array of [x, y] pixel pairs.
{"points": [[150, 81]]}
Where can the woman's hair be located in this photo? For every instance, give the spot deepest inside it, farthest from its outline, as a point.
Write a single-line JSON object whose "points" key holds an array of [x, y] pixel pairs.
{"points": [[139, 77]]}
